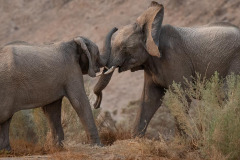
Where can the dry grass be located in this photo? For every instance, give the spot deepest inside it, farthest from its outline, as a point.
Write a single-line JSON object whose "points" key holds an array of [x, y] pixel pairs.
{"points": [[109, 136], [69, 155], [110, 132], [131, 149], [23, 148]]}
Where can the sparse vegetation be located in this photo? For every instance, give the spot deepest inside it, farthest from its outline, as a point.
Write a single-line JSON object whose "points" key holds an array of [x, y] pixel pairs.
{"points": [[212, 123]]}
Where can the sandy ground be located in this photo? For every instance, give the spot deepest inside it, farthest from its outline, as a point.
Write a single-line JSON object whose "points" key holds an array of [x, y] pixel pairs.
{"points": [[121, 150]]}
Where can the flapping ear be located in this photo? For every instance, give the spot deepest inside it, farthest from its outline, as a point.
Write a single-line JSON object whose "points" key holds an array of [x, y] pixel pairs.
{"points": [[81, 43], [151, 22]]}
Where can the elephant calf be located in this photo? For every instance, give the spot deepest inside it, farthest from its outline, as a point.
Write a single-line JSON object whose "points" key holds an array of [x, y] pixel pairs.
{"points": [[41, 75]]}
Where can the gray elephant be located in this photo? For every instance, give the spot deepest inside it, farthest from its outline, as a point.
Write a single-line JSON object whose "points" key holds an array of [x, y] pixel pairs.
{"points": [[40, 76], [167, 53]]}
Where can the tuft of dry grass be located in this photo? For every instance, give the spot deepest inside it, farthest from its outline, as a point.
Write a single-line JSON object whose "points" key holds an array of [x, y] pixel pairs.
{"points": [[24, 148], [109, 132], [109, 136]]}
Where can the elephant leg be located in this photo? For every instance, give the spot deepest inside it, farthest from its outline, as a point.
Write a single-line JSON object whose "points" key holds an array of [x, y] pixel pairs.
{"points": [[151, 100], [4, 135], [79, 100], [53, 114]]}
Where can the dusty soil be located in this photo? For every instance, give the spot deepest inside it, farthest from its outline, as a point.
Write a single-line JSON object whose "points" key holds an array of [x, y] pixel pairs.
{"points": [[46, 21], [132, 149]]}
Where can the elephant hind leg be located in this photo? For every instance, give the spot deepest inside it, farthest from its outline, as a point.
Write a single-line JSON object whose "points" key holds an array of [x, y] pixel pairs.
{"points": [[4, 135], [53, 114]]}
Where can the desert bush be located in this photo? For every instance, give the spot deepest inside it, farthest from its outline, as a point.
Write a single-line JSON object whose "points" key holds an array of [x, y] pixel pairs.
{"points": [[211, 123], [29, 125], [28, 133]]}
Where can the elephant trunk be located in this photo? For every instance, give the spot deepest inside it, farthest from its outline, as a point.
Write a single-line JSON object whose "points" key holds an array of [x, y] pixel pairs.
{"points": [[101, 84], [107, 48], [105, 78]]}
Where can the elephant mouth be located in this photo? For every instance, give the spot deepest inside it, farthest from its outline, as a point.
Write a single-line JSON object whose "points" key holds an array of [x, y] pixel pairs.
{"points": [[122, 69], [124, 66], [107, 70]]}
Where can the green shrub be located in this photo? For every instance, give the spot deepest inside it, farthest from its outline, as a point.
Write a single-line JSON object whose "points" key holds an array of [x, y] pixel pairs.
{"points": [[211, 123]]}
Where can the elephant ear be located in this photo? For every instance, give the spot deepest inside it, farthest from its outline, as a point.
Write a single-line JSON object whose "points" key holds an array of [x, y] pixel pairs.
{"points": [[151, 22], [82, 44]]}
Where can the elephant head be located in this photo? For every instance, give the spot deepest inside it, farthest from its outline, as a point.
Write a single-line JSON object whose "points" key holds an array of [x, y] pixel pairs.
{"points": [[133, 45], [91, 60]]}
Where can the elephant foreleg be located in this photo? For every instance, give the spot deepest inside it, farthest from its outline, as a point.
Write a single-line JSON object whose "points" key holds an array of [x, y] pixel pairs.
{"points": [[4, 135], [53, 114], [150, 101], [79, 100]]}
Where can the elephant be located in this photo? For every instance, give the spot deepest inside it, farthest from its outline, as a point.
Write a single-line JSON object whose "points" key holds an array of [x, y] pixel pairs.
{"points": [[34, 76], [168, 53]]}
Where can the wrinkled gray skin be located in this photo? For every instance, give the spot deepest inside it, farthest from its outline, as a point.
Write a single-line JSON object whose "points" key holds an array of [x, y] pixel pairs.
{"points": [[33, 76], [181, 53]]}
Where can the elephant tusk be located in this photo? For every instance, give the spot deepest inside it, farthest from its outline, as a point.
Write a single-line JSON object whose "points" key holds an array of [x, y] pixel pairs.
{"points": [[99, 74], [106, 67], [110, 70]]}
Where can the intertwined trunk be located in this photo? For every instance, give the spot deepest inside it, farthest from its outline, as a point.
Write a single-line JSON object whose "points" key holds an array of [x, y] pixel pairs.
{"points": [[105, 78], [101, 84], [107, 48]]}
